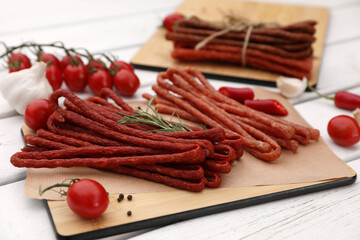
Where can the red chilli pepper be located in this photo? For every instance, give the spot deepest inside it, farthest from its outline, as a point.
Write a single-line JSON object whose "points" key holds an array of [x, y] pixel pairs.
{"points": [[345, 100], [238, 94], [270, 106]]}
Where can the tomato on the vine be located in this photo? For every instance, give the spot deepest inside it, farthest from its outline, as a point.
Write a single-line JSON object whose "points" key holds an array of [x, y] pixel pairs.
{"points": [[96, 64], [118, 64], [37, 113], [171, 19], [54, 76], [17, 66], [18, 61], [126, 82], [20, 57], [98, 80], [75, 77], [67, 60], [50, 59], [344, 130], [87, 198]]}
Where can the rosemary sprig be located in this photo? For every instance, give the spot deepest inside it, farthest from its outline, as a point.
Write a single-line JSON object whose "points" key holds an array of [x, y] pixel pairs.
{"points": [[155, 119]]}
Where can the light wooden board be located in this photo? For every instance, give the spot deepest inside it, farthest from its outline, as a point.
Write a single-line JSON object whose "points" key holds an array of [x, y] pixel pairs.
{"points": [[156, 209], [155, 53]]}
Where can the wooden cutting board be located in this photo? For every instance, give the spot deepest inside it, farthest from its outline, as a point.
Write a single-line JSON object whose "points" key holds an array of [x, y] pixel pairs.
{"points": [[155, 53], [158, 208]]}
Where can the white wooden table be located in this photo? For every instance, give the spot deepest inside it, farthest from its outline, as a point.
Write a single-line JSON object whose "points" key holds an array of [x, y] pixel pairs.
{"points": [[121, 27]]}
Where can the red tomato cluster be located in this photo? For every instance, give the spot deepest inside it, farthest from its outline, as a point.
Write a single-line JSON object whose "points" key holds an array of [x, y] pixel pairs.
{"points": [[77, 76]]}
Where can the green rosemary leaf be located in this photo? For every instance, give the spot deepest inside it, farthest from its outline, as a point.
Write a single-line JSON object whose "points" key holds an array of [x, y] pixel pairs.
{"points": [[148, 105], [183, 125], [172, 115], [154, 119]]}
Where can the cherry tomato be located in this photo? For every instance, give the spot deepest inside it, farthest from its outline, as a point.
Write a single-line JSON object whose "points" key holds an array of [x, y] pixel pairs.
{"points": [[118, 64], [50, 59], [344, 130], [126, 82], [20, 57], [98, 80], [75, 77], [96, 64], [54, 76], [37, 113], [18, 61], [87, 198], [67, 60], [347, 100], [171, 19]]}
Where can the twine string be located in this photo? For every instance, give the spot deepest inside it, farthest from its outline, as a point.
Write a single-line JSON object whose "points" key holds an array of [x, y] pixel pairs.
{"points": [[236, 24], [245, 45]]}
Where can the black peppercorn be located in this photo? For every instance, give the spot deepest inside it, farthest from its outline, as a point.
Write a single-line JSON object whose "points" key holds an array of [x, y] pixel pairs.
{"points": [[129, 197], [129, 213], [121, 197]]}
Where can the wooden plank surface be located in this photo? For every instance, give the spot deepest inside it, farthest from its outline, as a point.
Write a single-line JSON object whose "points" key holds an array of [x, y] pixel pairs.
{"points": [[156, 52], [10, 142], [82, 12], [332, 214]]}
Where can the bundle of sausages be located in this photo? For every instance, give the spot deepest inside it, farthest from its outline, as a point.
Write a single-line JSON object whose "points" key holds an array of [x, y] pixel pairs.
{"points": [[87, 134], [285, 50], [192, 97]]}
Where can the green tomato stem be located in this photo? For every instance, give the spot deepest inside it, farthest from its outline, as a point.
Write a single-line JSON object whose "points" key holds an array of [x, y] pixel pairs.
{"points": [[63, 184], [41, 192], [57, 44]]}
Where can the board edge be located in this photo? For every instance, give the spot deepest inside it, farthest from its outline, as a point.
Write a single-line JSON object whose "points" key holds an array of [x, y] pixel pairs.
{"points": [[215, 76]]}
